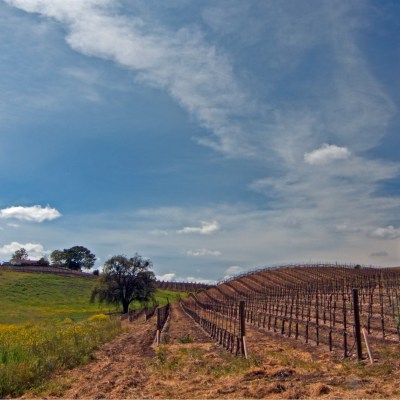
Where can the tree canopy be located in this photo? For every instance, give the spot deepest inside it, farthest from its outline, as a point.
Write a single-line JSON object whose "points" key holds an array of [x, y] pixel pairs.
{"points": [[125, 280], [76, 258], [19, 255]]}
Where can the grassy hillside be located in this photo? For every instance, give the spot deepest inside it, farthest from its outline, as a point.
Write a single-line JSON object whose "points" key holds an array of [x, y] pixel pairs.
{"points": [[41, 297]]}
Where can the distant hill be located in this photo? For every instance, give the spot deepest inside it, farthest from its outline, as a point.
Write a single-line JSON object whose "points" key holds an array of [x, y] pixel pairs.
{"points": [[43, 269], [48, 296]]}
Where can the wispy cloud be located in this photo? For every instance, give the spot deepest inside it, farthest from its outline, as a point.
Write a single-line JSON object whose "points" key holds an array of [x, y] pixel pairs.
{"points": [[317, 87], [325, 154], [193, 72], [349, 106], [203, 253], [344, 228], [206, 228], [386, 233], [33, 213]]}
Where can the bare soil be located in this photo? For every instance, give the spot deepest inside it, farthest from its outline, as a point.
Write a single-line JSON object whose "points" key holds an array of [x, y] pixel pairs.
{"points": [[190, 365]]}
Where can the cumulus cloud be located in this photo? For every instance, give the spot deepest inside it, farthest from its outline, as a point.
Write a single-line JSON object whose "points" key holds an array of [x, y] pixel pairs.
{"points": [[325, 154], [33, 213], [206, 228], [203, 252], [387, 233], [35, 250]]}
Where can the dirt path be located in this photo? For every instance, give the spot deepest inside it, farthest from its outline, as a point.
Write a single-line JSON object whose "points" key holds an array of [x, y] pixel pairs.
{"points": [[190, 365], [181, 328], [122, 368], [118, 369]]}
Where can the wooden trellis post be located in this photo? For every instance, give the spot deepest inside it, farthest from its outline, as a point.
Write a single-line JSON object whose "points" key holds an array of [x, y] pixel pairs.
{"points": [[357, 324], [242, 332]]}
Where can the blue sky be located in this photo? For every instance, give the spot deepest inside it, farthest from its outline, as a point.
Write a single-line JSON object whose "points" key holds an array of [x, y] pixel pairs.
{"points": [[210, 136]]}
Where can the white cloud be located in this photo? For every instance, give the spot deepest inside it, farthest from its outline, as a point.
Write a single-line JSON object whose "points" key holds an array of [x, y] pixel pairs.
{"points": [[197, 75], [165, 277], [203, 252], [349, 108], [197, 280], [33, 213], [232, 271], [201, 77], [206, 228], [344, 228], [387, 233], [325, 154], [13, 225], [35, 250]]}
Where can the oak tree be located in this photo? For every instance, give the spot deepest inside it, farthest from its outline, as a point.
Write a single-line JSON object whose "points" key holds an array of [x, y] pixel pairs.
{"points": [[76, 257], [125, 280], [19, 255]]}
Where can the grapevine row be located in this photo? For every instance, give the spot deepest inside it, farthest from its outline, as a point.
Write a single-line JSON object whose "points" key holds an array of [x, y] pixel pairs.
{"points": [[311, 303]]}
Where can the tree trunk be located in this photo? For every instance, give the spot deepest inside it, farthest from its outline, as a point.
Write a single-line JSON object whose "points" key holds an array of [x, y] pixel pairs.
{"points": [[125, 306]]}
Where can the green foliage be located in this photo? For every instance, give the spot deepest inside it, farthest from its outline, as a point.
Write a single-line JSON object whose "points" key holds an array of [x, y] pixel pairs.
{"points": [[165, 296], [52, 334], [44, 262], [185, 339], [42, 297], [30, 353], [125, 280], [197, 360], [75, 258], [19, 255], [57, 257]]}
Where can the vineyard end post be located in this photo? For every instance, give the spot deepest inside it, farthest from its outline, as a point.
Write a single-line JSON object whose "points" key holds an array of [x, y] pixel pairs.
{"points": [[159, 327], [242, 331], [357, 324]]}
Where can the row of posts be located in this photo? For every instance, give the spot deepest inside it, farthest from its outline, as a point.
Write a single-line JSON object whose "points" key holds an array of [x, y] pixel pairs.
{"points": [[357, 326]]}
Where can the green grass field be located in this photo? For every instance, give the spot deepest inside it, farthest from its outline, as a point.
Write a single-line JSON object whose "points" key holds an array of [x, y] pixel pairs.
{"points": [[26, 297], [44, 326]]}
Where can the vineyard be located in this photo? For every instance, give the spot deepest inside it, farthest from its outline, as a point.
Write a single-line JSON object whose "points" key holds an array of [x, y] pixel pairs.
{"points": [[288, 332], [324, 305], [182, 286]]}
